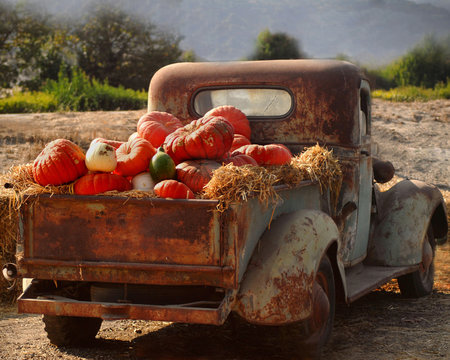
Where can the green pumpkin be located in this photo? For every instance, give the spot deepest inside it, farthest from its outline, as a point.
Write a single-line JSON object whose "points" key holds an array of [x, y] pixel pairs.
{"points": [[162, 167]]}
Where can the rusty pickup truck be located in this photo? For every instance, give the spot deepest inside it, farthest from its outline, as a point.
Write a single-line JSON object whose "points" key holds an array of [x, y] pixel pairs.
{"points": [[95, 258]]}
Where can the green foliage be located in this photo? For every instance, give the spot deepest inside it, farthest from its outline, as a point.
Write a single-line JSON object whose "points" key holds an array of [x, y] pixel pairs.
{"points": [[112, 45], [414, 93], [77, 92], [28, 102], [30, 46], [74, 92], [109, 45], [276, 46], [425, 65]]}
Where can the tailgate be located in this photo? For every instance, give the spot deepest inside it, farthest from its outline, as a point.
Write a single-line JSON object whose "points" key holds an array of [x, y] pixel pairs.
{"points": [[116, 239]]}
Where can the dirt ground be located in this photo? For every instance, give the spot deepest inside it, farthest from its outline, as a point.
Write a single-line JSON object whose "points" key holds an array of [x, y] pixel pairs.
{"points": [[382, 325]]}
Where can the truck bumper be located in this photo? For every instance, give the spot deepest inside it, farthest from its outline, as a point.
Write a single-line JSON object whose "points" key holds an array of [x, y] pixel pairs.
{"points": [[199, 312]]}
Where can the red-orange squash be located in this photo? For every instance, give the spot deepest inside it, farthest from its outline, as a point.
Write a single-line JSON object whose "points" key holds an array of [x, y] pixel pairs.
{"points": [[156, 125], [173, 189], [114, 143], [272, 154], [96, 183], [240, 160], [235, 116], [205, 138], [133, 157], [196, 173], [61, 161], [238, 141]]}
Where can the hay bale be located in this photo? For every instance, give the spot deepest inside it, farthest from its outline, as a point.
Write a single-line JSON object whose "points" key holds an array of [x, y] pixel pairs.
{"points": [[231, 184]]}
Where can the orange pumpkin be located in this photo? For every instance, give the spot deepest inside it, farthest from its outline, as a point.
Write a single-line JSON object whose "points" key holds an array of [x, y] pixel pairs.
{"points": [[235, 116], [61, 161], [133, 157], [156, 125], [240, 160], [114, 143], [205, 138], [173, 189], [196, 173], [238, 141], [272, 154], [96, 183]]}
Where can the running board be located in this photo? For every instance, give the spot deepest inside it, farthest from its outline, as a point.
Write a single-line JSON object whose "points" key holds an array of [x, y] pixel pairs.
{"points": [[362, 279]]}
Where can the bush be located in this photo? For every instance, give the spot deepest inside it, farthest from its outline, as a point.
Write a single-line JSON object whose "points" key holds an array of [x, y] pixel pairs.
{"points": [[426, 65], [77, 92], [74, 92], [414, 93], [28, 102]]}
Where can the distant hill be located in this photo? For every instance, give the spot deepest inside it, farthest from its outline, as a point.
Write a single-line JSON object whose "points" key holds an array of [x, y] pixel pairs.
{"points": [[371, 32]]}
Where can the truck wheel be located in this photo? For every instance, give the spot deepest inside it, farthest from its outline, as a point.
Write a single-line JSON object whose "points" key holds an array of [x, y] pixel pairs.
{"points": [[420, 282], [71, 330], [319, 326]]}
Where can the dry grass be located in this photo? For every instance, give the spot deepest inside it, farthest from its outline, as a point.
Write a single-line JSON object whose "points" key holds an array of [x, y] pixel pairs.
{"points": [[231, 184]]}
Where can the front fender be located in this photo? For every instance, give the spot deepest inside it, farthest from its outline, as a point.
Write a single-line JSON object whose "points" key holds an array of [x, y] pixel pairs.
{"points": [[404, 213], [278, 284]]}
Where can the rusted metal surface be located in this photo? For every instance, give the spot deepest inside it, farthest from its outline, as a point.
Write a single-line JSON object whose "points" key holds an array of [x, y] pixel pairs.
{"points": [[278, 285], [404, 214], [133, 273], [325, 95], [362, 279], [60, 306], [113, 229]]}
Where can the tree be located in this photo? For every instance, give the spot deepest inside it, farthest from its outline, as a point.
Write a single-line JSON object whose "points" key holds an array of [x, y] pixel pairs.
{"points": [[276, 46], [8, 23], [114, 46], [31, 48], [427, 64]]}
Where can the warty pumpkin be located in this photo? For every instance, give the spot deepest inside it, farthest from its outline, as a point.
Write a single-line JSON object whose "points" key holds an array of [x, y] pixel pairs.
{"points": [[173, 189], [196, 173], [238, 141], [133, 157], [156, 125], [240, 160], [61, 161], [236, 118], [205, 138], [271, 154], [96, 183]]}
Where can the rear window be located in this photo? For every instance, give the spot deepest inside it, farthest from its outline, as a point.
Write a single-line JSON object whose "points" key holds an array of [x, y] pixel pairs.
{"points": [[253, 102]]}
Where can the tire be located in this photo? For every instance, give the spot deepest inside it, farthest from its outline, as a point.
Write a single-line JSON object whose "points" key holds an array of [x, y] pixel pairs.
{"points": [[420, 282], [318, 329], [70, 330]]}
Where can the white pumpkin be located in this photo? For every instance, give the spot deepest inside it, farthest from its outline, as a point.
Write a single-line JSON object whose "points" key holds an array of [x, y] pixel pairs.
{"points": [[101, 157], [143, 182]]}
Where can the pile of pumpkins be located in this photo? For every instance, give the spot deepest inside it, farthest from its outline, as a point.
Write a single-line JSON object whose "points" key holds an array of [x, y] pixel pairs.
{"points": [[163, 155]]}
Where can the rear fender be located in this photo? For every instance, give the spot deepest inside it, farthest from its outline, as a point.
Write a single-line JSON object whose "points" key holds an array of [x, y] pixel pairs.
{"points": [[278, 284], [404, 213]]}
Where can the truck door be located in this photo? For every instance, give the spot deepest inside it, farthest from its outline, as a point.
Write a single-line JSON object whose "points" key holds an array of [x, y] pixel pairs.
{"points": [[359, 249]]}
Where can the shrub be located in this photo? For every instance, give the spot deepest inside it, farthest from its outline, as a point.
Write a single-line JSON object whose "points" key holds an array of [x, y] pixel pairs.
{"points": [[74, 92], [425, 65], [28, 102], [414, 93], [77, 92]]}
